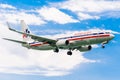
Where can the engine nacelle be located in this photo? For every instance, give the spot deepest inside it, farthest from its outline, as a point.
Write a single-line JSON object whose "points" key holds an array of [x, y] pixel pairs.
{"points": [[85, 48], [62, 42]]}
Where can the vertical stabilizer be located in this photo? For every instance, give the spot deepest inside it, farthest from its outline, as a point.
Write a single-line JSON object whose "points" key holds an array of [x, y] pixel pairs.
{"points": [[25, 30]]}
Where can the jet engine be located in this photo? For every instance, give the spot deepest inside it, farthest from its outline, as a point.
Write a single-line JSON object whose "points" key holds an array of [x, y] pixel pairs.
{"points": [[62, 42], [85, 48]]}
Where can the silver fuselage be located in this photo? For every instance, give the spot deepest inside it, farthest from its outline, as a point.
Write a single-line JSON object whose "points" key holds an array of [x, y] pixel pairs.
{"points": [[75, 41]]}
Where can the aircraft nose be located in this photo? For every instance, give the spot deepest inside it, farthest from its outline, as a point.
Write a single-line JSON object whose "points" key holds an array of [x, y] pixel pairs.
{"points": [[112, 36]]}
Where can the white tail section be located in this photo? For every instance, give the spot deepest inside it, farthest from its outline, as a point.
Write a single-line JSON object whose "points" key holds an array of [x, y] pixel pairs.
{"points": [[25, 30]]}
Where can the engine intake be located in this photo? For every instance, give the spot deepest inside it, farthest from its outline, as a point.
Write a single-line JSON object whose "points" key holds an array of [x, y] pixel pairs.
{"points": [[67, 42]]}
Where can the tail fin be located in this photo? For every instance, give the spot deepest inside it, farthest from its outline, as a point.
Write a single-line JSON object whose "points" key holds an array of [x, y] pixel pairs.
{"points": [[25, 30], [24, 27]]}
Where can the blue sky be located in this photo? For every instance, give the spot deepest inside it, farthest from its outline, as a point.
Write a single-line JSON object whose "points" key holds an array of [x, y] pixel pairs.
{"points": [[51, 18]]}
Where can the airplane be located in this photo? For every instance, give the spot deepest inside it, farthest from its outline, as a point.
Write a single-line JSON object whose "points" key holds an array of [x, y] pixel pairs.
{"points": [[81, 41]]}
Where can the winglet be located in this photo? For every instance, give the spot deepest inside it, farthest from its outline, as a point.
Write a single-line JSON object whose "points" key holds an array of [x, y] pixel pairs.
{"points": [[10, 27]]}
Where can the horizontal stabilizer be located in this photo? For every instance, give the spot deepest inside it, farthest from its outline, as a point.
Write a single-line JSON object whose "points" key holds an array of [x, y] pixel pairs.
{"points": [[15, 41]]}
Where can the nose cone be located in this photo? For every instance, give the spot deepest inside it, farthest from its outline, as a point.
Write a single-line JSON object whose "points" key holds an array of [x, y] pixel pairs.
{"points": [[112, 36]]}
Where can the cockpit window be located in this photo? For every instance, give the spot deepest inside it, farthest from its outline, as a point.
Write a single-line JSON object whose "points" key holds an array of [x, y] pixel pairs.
{"points": [[107, 32], [94, 33]]}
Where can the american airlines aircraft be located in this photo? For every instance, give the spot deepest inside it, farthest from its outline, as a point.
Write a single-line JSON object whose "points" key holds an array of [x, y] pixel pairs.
{"points": [[79, 41]]}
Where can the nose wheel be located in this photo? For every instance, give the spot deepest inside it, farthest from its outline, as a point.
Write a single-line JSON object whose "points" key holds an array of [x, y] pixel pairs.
{"points": [[103, 46]]}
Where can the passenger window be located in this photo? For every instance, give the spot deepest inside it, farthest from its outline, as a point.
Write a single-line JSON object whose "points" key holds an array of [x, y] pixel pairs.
{"points": [[101, 33]]}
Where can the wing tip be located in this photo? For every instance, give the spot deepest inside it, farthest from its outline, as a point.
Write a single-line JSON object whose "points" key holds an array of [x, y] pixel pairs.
{"points": [[8, 25]]}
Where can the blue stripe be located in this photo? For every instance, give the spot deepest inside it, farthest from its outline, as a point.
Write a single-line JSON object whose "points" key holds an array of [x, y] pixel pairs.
{"points": [[34, 42], [80, 35]]}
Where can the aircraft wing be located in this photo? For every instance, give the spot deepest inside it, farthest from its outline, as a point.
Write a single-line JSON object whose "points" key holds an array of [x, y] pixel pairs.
{"points": [[42, 39], [37, 38], [14, 40]]}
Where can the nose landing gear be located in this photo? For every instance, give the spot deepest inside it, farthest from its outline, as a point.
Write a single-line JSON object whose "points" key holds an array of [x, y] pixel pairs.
{"points": [[103, 44]]}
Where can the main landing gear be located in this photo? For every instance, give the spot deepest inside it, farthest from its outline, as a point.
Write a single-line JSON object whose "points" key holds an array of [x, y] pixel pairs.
{"points": [[56, 50], [69, 53]]}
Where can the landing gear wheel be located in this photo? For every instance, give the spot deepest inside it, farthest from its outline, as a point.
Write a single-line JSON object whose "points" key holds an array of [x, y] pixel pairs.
{"points": [[103, 46], [56, 50], [69, 53]]}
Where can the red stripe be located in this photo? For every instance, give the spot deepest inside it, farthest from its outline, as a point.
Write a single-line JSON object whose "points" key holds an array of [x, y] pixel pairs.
{"points": [[40, 44], [89, 37], [24, 35]]}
